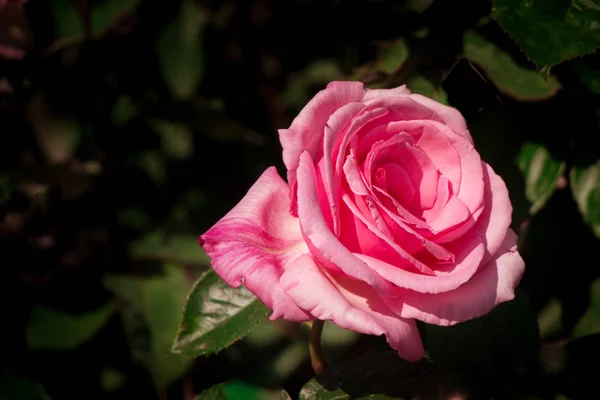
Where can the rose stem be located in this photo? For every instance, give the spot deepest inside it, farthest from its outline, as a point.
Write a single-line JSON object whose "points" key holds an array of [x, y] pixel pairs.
{"points": [[317, 358]]}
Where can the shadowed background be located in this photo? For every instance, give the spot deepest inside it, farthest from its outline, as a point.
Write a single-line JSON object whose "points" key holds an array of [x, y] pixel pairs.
{"points": [[129, 127]]}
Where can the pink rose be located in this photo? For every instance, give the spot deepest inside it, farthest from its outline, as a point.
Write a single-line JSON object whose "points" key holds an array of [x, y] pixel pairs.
{"points": [[389, 215]]}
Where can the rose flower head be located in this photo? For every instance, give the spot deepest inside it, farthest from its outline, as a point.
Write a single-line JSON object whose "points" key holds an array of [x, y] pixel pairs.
{"points": [[388, 216]]}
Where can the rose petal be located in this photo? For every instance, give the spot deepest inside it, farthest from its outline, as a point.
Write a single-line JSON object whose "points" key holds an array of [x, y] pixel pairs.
{"points": [[411, 240], [333, 130], [256, 241], [323, 244], [350, 304], [377, 248], [468, 253], [400, 185], [454, 213], [385, 200], [471, 183], [451, 117], [307, 130], [441, 199], [496, 216], [419, 168], [493, 284], [368, 120], [372, 94], [431, 137], [355, 181]]}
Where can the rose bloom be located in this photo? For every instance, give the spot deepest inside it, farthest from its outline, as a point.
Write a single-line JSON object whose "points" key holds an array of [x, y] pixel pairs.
{"points": [[388, 216]]}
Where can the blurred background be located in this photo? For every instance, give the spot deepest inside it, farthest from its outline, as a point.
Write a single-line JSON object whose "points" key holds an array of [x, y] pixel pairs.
{"points": [[129, 127]]}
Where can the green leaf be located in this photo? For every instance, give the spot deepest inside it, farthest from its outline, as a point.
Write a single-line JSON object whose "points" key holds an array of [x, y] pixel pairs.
{"points": [[303, 85], [159, 300], [69, 23], [550, 318], [239, 390], [510, 78], [392, 56], [177, 139], [216, 315], [178, 248], [488, 351], [180, 50], [419, 84], [590, 321], [550, 32], [379, 375], [52, 329], [585, 185], [67, 19], [106, 12], [541, 173], [13, 388]]}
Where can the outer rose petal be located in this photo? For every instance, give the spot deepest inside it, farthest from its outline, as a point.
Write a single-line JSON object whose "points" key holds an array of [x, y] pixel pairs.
{"points": [[493, 284], [372, 94], [335, 125], [450, 116], [496, 217], [350, 304], [308, 128], [256, 241], [323, 244]]}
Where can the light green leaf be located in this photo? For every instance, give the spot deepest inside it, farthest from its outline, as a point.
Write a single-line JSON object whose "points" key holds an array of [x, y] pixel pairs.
{"points": [[585, 185], [177, 139], [235, 390], [590, 321], [511, 78], [548, 31], [180, 50], [216, 315], [160, 300], [550, 318], [52, 329], [541, 173], [392, 56]]}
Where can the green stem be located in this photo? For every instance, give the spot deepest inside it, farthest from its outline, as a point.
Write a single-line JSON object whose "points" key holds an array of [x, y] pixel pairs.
{"points": [[317, 358]]}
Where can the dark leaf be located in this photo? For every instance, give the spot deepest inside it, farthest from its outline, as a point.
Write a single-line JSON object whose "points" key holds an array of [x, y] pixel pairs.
{"points": [[216, 315], [380, 375], [508, 76], [52, 329], [550, 32], [240, 390]]}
